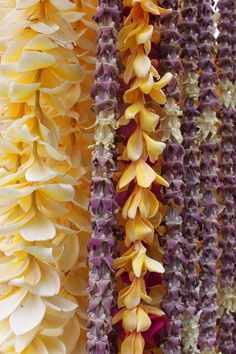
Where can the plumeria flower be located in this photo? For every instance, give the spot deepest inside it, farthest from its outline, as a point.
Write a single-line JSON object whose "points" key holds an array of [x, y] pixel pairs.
{"points": [[146, 117], [136, 256], [148, 86], [141, 144], [142, 200], [143, 173], [146, 5]]}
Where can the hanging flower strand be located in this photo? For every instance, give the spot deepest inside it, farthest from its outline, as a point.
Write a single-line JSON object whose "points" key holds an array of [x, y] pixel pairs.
{"points": [[103, 207], [141, 205], [208, 124], [40, 79], [173, 172], [227, 178], [191, 214]]}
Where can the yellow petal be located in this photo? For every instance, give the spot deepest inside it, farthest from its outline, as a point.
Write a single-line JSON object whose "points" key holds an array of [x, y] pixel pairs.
{"points": [[135, 145], [145, 174], [138, 261], [144, 322], [142, 64], [127, 346], [158, 96], [145, 34], [154, 148], [163, 81], [131, 205], [132, 110], [129, 320], [147, 84], [153, 266], [128, 175], [139, 344], [161, 181], [148, 119]]}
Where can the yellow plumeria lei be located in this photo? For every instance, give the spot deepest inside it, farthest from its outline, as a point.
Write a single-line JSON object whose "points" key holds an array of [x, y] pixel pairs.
{"points": [[142, 207]]}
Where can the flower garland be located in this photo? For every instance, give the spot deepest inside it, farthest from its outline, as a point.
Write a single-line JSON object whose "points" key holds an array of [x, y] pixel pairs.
{"points": [[41, 79], [140, 210], [103, 206], [227, 178], [208, 124], [173, 172], [191, 214]]}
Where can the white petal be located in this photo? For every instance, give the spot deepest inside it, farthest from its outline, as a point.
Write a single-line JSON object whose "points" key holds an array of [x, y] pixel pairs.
{"points": [[39, 171], [28, 315]]}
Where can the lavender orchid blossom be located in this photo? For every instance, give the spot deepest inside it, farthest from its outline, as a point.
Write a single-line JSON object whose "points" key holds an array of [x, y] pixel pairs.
{"points": [[173, 171], [103, 207], [209, 181]]}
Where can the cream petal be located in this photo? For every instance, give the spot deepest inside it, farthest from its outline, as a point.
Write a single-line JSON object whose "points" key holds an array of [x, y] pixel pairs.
{"points": [[54, 345], [12, 267], [60, 303], [22, 341], [28, 315], [44, 28], [62, 5], [59, 192], [5, 332], [37, 346], [30, 60], [135, 145], [142, 64], [71, 334], [21, 92], [38, 229], [45, 254], [23, 4], [49, 284], [39, 171], [40, 42]]}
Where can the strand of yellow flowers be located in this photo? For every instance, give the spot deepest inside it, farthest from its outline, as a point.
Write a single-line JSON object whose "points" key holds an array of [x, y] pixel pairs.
{"points": [[140, 211], [43, 164]]}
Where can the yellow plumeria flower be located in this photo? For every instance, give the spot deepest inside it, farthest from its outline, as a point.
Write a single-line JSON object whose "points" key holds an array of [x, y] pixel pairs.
{"points": [[136, 256], [131, 296], [142, 200], [147, 5], [143, 174], [141, 144], [148, 86], [137, 319]]}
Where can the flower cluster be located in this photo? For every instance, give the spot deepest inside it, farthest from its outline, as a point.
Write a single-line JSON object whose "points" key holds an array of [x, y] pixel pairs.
{"points": [[173, 172], [227, 178], [42, 173], [103, 206], [191, 214], [140, 318], [208, 125]]}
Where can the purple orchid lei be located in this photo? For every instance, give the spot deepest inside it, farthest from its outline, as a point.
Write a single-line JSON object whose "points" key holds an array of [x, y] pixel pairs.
{"points": [[103, 206], [173, 171], [191, 216], [227, 178], [208, 124]]}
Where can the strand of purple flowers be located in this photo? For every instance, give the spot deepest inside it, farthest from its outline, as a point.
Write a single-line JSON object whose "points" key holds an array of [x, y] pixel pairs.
{"points": [[103, 207], [227, 177], [191, 216], [209, 182], [173, 173]]}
